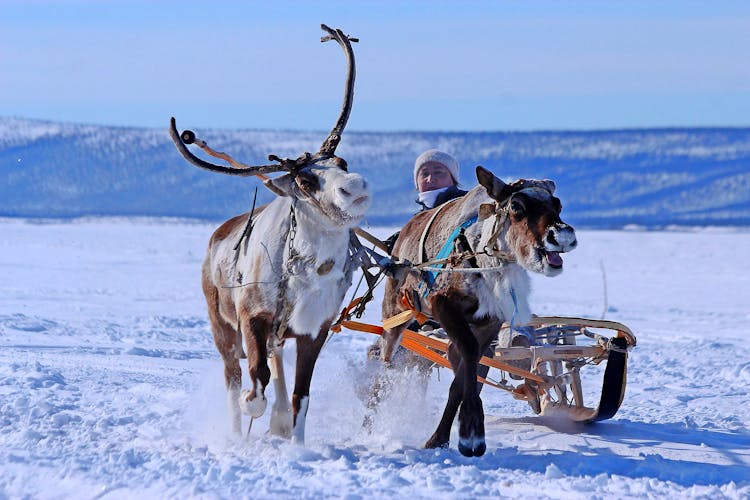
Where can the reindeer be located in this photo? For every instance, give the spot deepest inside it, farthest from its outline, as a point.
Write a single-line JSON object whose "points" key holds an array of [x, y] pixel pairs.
{"points": [[510, 229], [281, 271]]}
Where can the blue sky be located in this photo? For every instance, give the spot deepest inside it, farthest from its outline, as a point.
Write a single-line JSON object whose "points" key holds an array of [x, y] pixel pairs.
{"points": [[420, 65]]}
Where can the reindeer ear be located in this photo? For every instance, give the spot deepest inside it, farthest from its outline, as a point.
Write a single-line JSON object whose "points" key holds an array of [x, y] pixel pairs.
{"points": [[282, 186], [497, 189], [549, 185]]}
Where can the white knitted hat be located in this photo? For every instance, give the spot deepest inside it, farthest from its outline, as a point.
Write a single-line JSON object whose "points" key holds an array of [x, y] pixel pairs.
{"points": [[434, 155]]}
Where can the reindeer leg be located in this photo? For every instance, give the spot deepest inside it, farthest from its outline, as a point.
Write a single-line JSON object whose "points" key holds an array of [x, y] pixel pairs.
{"points": [[483, 370], [441, 437], [225, 338], [256, 330], [308, 350], [281, 413], [233, 381], [471, 414]]}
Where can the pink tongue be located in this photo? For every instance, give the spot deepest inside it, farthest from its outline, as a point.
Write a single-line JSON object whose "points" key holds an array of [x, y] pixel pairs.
{"points": [[554, 259]]}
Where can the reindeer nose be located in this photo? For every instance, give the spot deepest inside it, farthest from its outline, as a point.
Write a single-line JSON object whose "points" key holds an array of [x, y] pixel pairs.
{"points": [[562, 237], [353, 184]]}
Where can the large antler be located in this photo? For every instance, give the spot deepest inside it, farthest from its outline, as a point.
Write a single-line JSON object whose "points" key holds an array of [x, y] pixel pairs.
{"points": [[327, 150], [237, 168], [332, 141]]}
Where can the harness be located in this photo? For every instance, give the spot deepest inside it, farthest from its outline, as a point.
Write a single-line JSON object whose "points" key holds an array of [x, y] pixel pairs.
{"points": [[447, 248], [291, 268], [457, 239]]}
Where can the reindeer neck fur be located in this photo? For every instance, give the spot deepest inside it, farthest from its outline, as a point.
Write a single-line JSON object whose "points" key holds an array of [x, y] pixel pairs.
{"points": [[317, 275], [314, 280], [506, 289]]}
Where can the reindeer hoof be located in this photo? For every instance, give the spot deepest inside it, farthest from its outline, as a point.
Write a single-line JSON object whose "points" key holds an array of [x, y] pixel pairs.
{"points": [[436, 442], [298, 440], [472, 447], [252, 404]]}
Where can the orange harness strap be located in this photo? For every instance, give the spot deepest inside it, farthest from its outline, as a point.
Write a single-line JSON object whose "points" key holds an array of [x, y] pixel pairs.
{"points": [[392, 322], [343, 317], [360, 327], [425, 352]]}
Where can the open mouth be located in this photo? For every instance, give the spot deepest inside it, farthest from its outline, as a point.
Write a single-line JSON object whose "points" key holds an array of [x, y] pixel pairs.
{"points": [[553, 259]]}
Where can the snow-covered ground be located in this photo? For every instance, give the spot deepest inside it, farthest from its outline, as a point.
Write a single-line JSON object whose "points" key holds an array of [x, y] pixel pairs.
{"points": [[110, 386]]}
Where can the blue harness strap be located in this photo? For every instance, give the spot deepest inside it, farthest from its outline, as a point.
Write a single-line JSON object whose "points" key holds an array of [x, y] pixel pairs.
{"points": [[445, 251]]}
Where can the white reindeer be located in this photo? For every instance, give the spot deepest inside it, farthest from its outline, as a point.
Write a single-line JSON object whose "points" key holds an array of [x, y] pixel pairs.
{"points": [[283, 274]]}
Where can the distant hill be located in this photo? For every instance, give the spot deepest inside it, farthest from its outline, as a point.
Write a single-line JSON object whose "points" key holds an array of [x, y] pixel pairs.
{"points": [[606, 179]]}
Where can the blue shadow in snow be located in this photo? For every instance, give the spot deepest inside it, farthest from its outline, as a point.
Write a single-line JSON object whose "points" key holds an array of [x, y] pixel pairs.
{"points": [[633, 435]]}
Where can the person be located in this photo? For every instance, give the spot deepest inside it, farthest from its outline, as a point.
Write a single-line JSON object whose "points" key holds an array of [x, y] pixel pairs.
{"points": [[436, 177]]}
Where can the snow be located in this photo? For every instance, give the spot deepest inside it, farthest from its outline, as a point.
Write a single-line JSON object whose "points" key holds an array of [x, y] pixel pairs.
{"points": [[110, 386]]}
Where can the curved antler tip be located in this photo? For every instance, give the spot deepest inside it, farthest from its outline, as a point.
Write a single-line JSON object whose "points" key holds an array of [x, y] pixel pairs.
{"points": [[188, 136]]}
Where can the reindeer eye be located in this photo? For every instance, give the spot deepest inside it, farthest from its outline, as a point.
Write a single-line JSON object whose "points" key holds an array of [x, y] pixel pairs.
{"points": [[308, 182]]}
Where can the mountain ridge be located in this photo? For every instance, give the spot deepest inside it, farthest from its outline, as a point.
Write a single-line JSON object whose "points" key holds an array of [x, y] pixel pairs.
{"points": [[605, 178]]}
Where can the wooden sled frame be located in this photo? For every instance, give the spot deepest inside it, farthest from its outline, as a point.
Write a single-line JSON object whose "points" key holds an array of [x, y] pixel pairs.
{"points": [[552, 385]]}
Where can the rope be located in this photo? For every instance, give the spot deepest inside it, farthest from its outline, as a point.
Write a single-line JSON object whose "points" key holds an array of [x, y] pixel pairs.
{"points": [[246, 237], [445, 251], [515, 310], [466, 270]]}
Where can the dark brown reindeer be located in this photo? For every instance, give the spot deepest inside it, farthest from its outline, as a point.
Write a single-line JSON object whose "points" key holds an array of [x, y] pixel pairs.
{"points": [[511, 229], [283, 274]]}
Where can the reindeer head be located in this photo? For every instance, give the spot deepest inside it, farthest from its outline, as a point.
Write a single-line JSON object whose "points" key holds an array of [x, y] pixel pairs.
{"points": [[527, 223], [335, 196]]}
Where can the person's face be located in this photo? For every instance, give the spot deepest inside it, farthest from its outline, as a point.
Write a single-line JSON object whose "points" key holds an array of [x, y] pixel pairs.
{"points": [[432, 176]]}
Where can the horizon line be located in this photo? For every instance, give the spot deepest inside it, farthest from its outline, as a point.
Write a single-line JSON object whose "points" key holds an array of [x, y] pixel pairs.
{"points": [[399, 131]]}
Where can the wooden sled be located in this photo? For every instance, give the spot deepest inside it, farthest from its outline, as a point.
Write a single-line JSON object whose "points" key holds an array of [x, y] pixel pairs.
{"points": [[552, 384], [551, 380]]}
